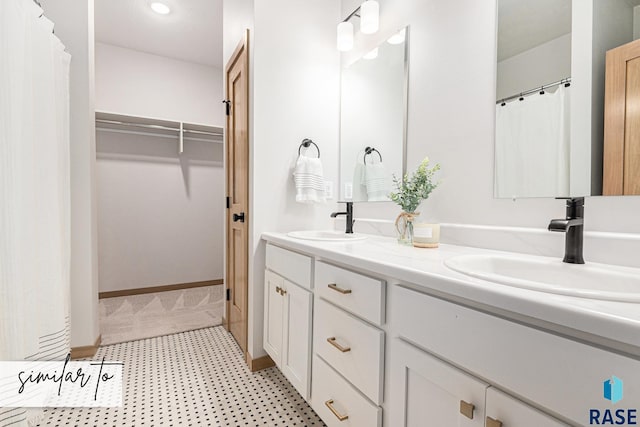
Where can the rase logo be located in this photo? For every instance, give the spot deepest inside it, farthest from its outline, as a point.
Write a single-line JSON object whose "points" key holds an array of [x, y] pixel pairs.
{"points": [[614, 392]]}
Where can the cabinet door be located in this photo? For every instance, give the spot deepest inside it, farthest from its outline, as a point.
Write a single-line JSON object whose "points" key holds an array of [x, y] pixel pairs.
{"points": [[273, 315], [506, 411], [296, 348], [428, 392]]}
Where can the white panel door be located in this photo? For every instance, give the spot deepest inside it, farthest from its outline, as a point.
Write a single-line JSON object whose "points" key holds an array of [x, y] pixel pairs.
{"points": [[506, 411], [273, 315], [296, 348], [426, 392]]}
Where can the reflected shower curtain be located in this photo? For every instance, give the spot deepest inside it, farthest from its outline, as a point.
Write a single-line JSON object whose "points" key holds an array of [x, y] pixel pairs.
{"points": [[34, 190], [532, 146]]}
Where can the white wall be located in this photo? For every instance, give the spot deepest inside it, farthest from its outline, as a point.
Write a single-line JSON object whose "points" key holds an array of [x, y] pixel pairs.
{"points": [[451, 119], [74, 26], [142, 84], [295, 95], [161, 215], [546, 63]]}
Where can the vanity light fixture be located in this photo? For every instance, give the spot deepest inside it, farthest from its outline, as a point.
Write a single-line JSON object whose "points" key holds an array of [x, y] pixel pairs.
{"points": [[345, 36], [398, 37], [160, 8], [369, 17], [369, 14], [372, 54]]}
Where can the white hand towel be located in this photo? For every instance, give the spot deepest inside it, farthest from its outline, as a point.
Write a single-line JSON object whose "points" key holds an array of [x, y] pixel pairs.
{"points": [[359, 189], [309, 180], [377, 182]]}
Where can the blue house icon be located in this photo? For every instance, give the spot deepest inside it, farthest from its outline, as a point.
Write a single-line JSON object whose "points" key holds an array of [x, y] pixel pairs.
{"points": [[613, 389]]}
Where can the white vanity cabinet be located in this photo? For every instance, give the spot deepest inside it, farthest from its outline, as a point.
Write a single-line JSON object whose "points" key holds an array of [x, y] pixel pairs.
{"points": [[397, 347], [348, 343], [431, 392], [288, 317]]}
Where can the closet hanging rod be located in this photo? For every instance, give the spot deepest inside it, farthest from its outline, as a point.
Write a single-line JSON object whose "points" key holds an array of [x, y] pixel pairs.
{"points": [[565, 81], [156, 127]]}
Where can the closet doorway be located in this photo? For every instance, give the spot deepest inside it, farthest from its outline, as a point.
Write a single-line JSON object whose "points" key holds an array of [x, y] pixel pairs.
{"points": [[237, 165]]}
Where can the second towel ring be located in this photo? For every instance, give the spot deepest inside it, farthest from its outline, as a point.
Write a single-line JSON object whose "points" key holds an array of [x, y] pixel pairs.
{"points": [[306, 143], [368, 151]]}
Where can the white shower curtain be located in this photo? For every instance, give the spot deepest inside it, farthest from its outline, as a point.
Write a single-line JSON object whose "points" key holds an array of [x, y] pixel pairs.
{"points": [[532, 146], [34, 190]]}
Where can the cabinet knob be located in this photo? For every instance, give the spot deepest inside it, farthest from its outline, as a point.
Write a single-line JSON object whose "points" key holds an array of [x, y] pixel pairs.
{"points": [[283, 291], [279, 290], [493, 423], [466, 409], [340, 417]]}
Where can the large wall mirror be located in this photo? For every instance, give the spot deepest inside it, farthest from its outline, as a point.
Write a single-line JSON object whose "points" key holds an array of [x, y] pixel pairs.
{"points": [[554, 131], [373, 121]]}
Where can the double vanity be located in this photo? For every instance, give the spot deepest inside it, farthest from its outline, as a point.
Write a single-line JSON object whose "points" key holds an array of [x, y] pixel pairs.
{"points": [[373, 333]]}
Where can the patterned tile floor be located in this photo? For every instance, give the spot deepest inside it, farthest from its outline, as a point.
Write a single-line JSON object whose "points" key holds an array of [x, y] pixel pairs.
{"points": [[195, 378]]}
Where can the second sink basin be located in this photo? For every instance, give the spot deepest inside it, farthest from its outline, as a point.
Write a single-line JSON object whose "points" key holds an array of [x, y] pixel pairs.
{"points": [[326, 235], [595, 281]]}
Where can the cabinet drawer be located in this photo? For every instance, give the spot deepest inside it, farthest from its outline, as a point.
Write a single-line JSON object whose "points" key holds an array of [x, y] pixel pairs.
{"points": [[562, 376], [290, 265], [359, 294], [352, 347], [330, 390]]}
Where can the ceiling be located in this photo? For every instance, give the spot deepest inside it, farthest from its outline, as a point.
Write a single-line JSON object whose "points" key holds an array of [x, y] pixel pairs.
{"points": [[191, 32], [526, 24]]}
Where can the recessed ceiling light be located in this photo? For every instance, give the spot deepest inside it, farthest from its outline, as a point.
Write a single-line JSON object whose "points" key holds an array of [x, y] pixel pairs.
{"points": [[160, 8]]}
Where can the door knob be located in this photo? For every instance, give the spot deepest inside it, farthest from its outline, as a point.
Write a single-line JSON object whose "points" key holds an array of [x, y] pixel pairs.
{"points": [[238, 217]]}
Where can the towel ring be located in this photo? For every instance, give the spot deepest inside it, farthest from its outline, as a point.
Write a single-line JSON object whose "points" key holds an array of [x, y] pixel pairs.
{"points": [[368, 151], [306, 143]]}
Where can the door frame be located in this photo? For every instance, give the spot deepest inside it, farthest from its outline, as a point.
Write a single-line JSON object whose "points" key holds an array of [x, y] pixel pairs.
{"points": [[242, 48]]}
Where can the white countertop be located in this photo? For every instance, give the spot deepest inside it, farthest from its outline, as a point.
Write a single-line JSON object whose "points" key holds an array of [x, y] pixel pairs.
{"points": [[607, 323]]}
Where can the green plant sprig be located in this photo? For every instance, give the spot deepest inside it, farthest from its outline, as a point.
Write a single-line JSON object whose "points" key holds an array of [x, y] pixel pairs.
{"points": [[412, 191]]}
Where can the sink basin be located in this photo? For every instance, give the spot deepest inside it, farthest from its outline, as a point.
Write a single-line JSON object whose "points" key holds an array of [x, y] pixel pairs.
{"points": [[327, 236], [594, 281]]}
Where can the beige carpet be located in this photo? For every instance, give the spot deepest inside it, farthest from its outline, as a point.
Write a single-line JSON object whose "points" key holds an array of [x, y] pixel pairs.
{"points": [[150, 315]]}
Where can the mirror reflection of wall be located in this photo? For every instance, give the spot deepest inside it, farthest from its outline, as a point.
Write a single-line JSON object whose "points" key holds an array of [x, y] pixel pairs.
{"points": [[372, 130], [533, 101]]}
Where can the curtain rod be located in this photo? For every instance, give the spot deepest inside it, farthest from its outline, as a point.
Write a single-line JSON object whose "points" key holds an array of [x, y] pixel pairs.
{"points": [[565, 81]]}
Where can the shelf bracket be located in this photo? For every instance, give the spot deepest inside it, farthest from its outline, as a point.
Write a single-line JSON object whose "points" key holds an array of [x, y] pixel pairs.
{"points": [[181, 148]]}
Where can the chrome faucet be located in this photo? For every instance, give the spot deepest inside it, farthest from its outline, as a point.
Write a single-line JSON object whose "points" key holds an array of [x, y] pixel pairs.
{"points": [[349, 215], [573, 226]]}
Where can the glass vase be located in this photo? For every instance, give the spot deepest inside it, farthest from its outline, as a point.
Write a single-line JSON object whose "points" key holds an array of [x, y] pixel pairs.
{"points": [[404, 226]]}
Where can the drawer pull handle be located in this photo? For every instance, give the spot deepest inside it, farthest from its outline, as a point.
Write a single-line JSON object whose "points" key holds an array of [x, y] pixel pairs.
{"points": [[493, 423], [334, 343], [466, 409], [337, 289], [329, 404]]}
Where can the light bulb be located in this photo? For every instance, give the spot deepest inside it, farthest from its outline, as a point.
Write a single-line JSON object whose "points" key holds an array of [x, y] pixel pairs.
{"points": [[160, 8], [345, 36], [369, 17], [372, 54], [398, 37]]}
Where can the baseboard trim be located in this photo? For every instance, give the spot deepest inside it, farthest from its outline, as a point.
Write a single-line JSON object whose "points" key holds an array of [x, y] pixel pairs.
{"points": [[87, 350], [260, 363], [163, 288]]}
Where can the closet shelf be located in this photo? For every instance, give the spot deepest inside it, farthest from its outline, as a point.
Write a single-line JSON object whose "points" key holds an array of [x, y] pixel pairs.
{"points": [[113, 122]]}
